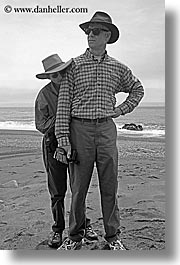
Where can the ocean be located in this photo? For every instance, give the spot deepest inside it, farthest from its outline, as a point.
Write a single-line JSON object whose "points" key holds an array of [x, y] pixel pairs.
{"points": [[152, 120]]}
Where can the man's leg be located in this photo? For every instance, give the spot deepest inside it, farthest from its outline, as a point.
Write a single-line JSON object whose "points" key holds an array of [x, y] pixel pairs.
{"points": [[57, 186], [82, 139], [107, 166]]}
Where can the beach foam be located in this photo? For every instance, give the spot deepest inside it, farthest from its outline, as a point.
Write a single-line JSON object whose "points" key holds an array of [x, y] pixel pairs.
{"points": [[16, 125], [144, 133]]}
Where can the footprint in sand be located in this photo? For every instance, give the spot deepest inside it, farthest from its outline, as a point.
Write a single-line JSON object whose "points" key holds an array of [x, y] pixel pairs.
{"points": [[3, 223], [1, 205], [36, 176], [144, 201], [10, 184], [40, 171], [130, 187], [41, 210], [152, 177], [160, 197], [89, 208]]}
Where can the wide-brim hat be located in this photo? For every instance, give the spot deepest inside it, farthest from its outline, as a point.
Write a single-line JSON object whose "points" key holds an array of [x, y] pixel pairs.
{"points": [[104, 19], [53, 64]]}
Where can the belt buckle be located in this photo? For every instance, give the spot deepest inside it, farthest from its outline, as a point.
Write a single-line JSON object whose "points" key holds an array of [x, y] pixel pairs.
{"points": [[99, 120], [96, 120]]}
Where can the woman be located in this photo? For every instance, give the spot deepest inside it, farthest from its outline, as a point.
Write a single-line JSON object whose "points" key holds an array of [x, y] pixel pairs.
{"points": [[45, 115]]}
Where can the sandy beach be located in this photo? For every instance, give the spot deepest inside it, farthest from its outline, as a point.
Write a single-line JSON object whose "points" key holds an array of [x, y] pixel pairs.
{"points": [[25, 203]]}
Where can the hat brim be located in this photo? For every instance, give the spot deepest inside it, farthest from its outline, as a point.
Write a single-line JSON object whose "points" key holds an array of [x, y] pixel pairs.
{"points": [[113, 29], [55, 70]]}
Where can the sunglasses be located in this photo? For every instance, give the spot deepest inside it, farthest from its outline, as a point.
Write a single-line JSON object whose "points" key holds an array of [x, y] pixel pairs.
{"points": [[55, 75], [95, 31]]}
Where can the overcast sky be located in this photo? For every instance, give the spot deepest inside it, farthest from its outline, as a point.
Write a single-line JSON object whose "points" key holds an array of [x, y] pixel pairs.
{"points": [[27, 38]]}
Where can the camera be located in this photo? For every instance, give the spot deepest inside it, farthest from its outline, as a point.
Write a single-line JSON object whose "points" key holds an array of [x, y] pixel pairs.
{"points": [[73, 157]]}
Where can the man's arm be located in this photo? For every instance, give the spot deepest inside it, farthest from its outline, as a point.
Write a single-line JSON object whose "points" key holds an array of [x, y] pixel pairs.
{"points": [[129, 84], [43, 121], [63, 114]]}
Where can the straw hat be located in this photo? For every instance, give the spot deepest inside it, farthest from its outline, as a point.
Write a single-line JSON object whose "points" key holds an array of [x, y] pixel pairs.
{"points": [[53, 64], [104, 19]]}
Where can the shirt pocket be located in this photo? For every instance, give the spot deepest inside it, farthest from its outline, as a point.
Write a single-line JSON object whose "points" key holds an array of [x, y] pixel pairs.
{"points": [[114, 81]]}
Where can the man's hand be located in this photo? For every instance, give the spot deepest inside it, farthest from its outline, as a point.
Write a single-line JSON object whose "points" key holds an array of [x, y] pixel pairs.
{"points": [[67, 149], [63, 153], [117, 112]]}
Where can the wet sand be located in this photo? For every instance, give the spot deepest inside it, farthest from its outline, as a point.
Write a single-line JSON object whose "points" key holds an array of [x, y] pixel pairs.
{"points": [[25, 208]]}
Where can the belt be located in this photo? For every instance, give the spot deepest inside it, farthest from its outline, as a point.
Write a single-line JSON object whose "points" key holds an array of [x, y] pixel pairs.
{"points": [[98, 120]]}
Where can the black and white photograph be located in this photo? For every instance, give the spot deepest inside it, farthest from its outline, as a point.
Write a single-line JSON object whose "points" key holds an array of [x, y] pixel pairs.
{"points": [[82, 125]]}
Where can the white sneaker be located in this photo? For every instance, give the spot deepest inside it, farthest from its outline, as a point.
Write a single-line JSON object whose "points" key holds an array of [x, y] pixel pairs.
{"points": [[69, 244], [116, 245]]}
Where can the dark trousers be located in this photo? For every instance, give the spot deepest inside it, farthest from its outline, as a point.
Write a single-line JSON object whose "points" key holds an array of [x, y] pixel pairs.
{"points": [[95, 143], [57, 182]]}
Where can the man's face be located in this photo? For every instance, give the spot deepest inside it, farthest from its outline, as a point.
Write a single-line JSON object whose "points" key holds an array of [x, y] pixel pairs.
{"points": [[98, 35], [56, 77]]}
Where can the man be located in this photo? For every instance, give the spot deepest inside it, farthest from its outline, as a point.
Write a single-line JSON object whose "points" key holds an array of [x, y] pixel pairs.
{"points": [[45, 114], [86, 106]]}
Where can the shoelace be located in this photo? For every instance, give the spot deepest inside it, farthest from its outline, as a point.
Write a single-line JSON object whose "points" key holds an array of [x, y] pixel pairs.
{"points": [[117, 244], [68, 244], [89, 229]]}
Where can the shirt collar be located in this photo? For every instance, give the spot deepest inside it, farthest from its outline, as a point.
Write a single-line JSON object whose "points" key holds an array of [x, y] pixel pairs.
{"points": [[53, 89], [88, 54]]}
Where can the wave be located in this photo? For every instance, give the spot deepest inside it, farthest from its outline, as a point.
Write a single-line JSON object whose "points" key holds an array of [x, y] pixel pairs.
{"points": [[148, 131], [16, 125]]}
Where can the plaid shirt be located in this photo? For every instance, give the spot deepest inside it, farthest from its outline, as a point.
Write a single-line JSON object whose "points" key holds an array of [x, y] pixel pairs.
{"points": [[89, 89]]}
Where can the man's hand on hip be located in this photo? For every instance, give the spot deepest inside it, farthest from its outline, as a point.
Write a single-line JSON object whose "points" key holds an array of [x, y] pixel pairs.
{"points": [[117, 113]]}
